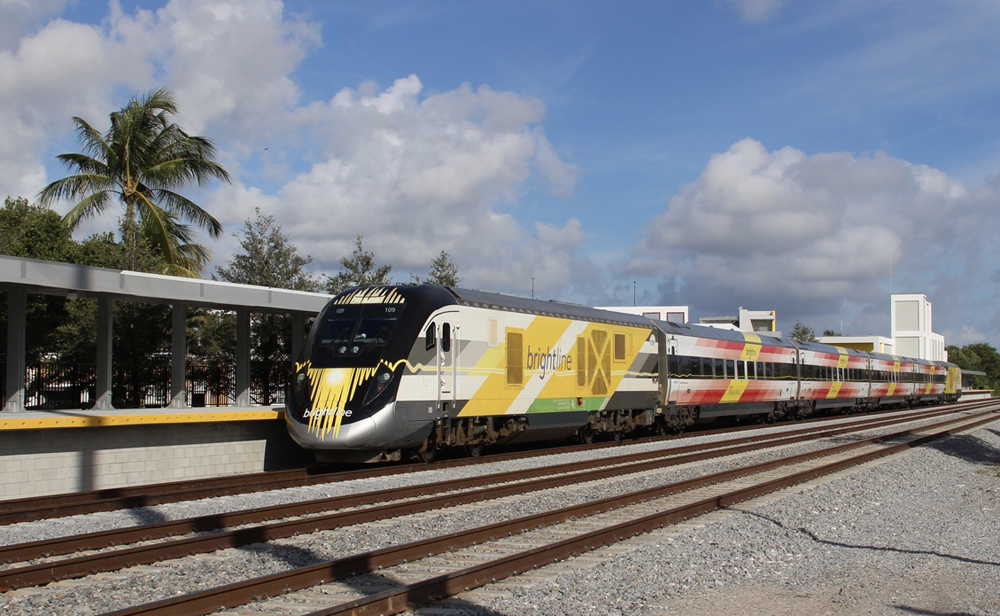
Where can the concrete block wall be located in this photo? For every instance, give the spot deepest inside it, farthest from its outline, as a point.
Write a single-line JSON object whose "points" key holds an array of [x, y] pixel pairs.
{"points": [[37, 462]]}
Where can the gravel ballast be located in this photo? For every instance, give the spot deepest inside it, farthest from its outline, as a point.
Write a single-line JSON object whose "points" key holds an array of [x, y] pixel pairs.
{"points": [[917, 534]]}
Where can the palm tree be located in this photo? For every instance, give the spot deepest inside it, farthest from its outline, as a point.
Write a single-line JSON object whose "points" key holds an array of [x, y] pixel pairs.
{"points": [[141, 160]]}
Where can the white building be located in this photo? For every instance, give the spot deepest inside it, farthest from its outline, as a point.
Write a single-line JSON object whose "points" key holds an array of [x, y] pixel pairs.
{"points": [[911, 332], [912, 326]]}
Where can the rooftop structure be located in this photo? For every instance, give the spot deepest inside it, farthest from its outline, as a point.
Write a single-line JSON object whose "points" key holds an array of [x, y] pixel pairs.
{"points": [[757, 321], [673, 314], [874, 344]]}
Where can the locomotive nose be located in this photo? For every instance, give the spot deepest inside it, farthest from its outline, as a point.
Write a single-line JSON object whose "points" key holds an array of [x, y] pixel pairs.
{"points": [[359, 433]]}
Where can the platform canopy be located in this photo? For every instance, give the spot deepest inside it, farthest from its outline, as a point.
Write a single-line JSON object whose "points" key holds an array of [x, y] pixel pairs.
{"points": [[21, 277]]}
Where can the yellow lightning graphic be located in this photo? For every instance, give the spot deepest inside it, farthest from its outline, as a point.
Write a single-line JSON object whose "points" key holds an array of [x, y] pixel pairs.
{"points": [[331, 389]]}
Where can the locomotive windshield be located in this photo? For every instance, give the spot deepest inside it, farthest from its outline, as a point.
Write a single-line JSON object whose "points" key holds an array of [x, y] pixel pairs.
{"points": [[355, 334]]}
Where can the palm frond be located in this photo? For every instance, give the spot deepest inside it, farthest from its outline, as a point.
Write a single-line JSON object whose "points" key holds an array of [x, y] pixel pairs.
{"points": [[75, 185], [188, 258], [156, 227], [93, 142], [84, 163], [183, 206], [92, 205]]}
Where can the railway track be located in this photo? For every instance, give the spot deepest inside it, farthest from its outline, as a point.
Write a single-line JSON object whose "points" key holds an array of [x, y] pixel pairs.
{"points": [[420, 575], [421, 498], [14, 511], [301, 517]]}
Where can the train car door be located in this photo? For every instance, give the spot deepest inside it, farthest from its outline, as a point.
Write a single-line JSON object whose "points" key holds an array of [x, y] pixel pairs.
{"points": [[797, 359], [667, 364], [448, 358]]}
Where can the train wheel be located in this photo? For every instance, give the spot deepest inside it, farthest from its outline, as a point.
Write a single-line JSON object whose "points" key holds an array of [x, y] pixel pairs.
{"points": [[661, 425], [780, 412], [684, 418], [431, 449], [475, 450], [586, 435]]}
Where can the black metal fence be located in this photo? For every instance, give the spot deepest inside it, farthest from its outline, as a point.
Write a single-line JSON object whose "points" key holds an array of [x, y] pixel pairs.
{"points": [[53, 386]]}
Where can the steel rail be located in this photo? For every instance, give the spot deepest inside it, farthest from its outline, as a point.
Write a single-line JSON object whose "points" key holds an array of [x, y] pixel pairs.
{"points": [[636, 462], [240, 593]]}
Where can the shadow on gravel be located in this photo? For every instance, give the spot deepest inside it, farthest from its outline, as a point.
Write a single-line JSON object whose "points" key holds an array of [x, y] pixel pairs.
{"points": [[375, 583], [368, 584], [873, 548], [968, 448], [147, 516], [291, 555], [917, 610]]}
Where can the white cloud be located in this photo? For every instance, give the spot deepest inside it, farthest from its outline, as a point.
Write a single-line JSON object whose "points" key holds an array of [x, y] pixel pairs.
{"points": [[230, 62], [965, 335], [763, 227], [237, 203], [419, 174], [63, 70], [547, 261]]}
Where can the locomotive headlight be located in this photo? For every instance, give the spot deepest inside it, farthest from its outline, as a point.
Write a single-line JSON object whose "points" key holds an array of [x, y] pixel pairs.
{"points": [[382, 379], [300, 384]]}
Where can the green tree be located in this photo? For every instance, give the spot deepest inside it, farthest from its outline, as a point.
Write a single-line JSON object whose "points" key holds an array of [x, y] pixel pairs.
{"points": [[802, 333], [35, 232], [140, 161], [980, 357], [211, 336], [267, 259], [443, 271], [358, 269]]}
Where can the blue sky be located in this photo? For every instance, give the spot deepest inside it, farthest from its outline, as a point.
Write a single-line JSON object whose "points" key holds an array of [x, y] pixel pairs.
{"points": [[769, 154]]}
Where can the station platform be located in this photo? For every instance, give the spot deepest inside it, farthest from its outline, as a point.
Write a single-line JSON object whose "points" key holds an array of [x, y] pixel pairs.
{"points": [[29, 420], [52, 452]]}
